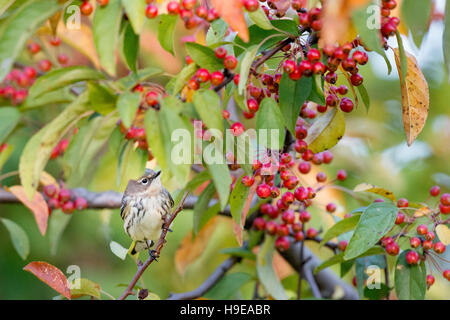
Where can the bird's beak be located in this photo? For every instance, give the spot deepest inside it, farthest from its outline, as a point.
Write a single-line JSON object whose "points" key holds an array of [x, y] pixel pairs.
{"points": [[157, 174]]}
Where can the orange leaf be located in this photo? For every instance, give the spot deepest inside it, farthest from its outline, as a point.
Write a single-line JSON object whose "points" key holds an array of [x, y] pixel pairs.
{"points": [[190, 250], [51, 275], [232, 13], [38, 206], [415, 97]]}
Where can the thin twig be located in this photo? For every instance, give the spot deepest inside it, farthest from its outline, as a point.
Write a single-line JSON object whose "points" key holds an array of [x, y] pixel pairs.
{"points": [[159, 246]]}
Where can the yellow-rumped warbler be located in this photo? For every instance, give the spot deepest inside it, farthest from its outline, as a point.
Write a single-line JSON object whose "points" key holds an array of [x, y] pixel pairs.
{"points": [[146, 205]]}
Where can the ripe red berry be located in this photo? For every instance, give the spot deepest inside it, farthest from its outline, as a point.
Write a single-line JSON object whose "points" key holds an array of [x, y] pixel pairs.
{"points": [[400, 218], [311, 233], [289, 66], [313, 55], [271, 227], [392, 249], [188, 4], [444, 209], [304, 167], [434, 191], [230, 62], [412, 257], [446, 274], [282, 230], [103, 3], [259, 223], [30, 72], [360, 57], [288, 217], [252, 105], [321, 176], [86, 8], [263, 190], [346, 104], [248, 181], [327, 157], [45, 65], [427, 245], [216, 78], [202, 75], [422, 229], [305, 68], [301, 132], [300, 146], [68, 207], [151, 11], [202, 12], [237, 129], [50, 190], [55, 41], [225, 114], [305, 216], [341, 175], [299, 235], [445, 199], [342, 245], [439, 247], [318, 68], [291, 183], [251, 5], [331, 207], [63, 58], [430, 235], [386, 240], [356, 79], [34, 47], [414, 242], [301, 193], [282, 243], [173, 7], [296, 74], [54, 203], [388, 29], [151, 98], [430, 280], [64, 195], [220, 52], [80, 203], [402, 203]]}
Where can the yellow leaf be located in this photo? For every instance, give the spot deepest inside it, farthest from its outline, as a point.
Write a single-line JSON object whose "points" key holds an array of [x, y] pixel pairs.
{"points": [[232, 13], [415, 98], [443, 232], [46, 179], [54, 21], [365, 187], [422, 212]]}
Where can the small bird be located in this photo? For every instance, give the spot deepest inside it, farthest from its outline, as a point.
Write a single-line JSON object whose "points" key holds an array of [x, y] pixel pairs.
{"points": [[146, 205]]}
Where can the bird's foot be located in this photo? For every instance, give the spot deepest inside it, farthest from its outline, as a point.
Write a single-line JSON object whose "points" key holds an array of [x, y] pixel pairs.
{"points": [[166, 228], [152, 254]]}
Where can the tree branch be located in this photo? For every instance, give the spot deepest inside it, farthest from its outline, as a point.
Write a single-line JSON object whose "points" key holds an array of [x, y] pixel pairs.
{"points": [[159, 246]]}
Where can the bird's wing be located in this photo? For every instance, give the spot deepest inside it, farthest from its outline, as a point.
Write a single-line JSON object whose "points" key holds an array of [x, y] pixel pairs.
{"points": [[124, 209], [171, 202]]}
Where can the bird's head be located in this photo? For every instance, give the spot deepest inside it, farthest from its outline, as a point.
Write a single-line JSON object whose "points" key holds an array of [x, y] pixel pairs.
{"points": [[146, 186]]}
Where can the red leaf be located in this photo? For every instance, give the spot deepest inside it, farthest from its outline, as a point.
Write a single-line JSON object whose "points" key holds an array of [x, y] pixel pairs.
{"points": [[232, 13], [38, 206], [51, 275]]}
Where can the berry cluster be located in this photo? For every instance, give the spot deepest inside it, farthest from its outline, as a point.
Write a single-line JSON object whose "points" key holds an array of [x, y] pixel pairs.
{"points": [[63, 199], [388, 24], [16, 83]]}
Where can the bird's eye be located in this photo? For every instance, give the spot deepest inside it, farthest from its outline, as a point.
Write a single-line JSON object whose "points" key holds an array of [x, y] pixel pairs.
{"points": [[144, 181]]}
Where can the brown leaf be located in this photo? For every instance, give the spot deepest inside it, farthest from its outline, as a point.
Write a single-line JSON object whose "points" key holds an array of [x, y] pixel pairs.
{"points": [[54, 21], [51, 275], [232, 13], [38, 206], [415, 98], [190, 250]]}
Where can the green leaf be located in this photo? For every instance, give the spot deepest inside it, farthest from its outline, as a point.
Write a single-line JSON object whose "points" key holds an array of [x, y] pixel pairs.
{"points": [[155, 137], [402, 54], [180, 81], [269, 117], [86, 288], [4, 5], [238, 198], [339, 258], [204, 56], [9, 117], [5, 154], [239, 252], [166, 31], [375, 222], [316, 94], [19, 27], [228, 286], [222, 180], [118, 250], [246, 64], [202, 205], [59, 78], [446, 39], [265, 271], [133, 79], [38, 149], [326, 131], [18, 237], [136, 14], [376, 294], [216, 32], [127, 105], [130, 47], [364, 21], [260, 19], [101, 98], [292, 95], [57, 225], [105, 28], [207, 104], [416, 14], [59, 96], [343, 226], [410, 280], [364, 95]]}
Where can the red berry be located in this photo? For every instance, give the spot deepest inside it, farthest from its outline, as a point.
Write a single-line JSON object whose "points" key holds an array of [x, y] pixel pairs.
{"points": [[360, 57], [321, 177], [341, 175], [151, 98], [400, 218], [103, 3], [202, 12], [444, 209], [402, 203], [45, 65], [54, 203], [230, 62], [304, 167], [430, 280], [251, 5], [252, 105], [412, 257], [430, 235], [422, 229], [288, 217], [248, 181], [301, 132], [388, 29], [202, 75], [301, 193], [445, 199], [346, 104], [189, 60], [392, 249], [327, 157], [291, 183], [288, 197], [34, 47], [311, 233], [193, 84], [188, 4], [50, 190], [86, 8], [259, 223], [237, 129], [68, 207], [313, 55], [296, 74], [305, 216], [414, 242], [173, 7], [342, 245], [55, 41], [30, 72], [289, 66], [64, 195], [331, 207], [305, 68], [299, 236], [63, 58], [439, 247], [80, 204], [271, 227], [282, 243], [434, 191], [263, 190], [220, 53], [386, 240], [446, 274], [427, 245], [225, 114], [356, 79], [216, 78], [151, 11], [300, 146], [283, 230]]}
